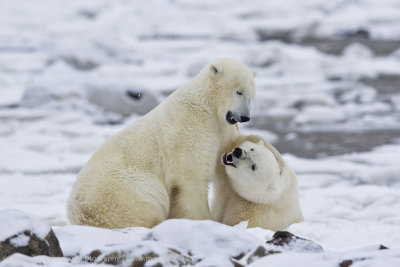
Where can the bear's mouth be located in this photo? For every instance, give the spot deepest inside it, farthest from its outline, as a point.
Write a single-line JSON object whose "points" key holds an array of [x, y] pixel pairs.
{"points": [[227, 159], [229, 118]]}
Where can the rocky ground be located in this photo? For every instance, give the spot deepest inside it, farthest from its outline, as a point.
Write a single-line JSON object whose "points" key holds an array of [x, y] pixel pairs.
{"points": [[328, 97]]}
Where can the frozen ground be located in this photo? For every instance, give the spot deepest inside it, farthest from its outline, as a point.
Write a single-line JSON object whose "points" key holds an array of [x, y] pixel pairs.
{"points": [[328, 97]]}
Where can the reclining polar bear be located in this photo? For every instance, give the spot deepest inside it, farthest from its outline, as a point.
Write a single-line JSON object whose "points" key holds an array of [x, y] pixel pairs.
{"points": [[258, 186]]}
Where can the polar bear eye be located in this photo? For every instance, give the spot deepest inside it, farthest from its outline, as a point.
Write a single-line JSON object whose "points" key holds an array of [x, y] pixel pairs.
{"points": [[239, 92], [252, 149], [253, 167]]}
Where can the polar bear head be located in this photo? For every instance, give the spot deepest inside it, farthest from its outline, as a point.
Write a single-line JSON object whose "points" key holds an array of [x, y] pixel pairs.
{"points": [[254, 172], [232, 88]]}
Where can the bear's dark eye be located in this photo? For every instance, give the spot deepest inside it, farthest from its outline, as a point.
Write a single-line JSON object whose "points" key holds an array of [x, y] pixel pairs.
{"points": [[239, 92], [253, 167], [252, 149]]}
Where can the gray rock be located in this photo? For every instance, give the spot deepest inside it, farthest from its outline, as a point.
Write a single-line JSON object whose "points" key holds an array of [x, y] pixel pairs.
{"points": [[291, 242], [122, 99], [22, 233], [133, 257]]}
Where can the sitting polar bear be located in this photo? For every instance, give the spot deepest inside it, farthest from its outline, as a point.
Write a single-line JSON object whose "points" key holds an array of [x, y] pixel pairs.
{"points": [[259, 187], [160, 166]]}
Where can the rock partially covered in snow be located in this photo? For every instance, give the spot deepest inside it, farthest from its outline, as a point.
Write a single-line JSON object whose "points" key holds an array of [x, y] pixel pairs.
{"points": [[25, 234], [123, 99], [289, 241], [173, 242]]}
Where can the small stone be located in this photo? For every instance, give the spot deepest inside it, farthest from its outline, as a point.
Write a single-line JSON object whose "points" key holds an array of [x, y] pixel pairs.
{"points": [[292, 242], [260, 252]]}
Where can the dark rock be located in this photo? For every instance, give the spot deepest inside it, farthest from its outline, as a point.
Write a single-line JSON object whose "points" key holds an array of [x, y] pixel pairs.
{"points": [[114, 258], [140, 262], [80, 64], [94, 255], [124, 100], [346, 263], [35, 246], [259, 253], [286, 36], [381, 247], [129, 258], [358, 33], [236, 263], [292, 242]]}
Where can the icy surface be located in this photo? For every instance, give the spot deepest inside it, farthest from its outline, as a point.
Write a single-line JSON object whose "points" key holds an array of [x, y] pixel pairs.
{"points": [[328, 97]]}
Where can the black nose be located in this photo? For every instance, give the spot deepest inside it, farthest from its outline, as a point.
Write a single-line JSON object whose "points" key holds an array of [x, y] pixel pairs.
{"points": [[244, 118], [237, 152]]}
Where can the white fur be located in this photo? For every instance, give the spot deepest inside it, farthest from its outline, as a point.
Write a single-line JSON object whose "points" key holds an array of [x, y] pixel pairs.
{"points": [[267, 197], [160, 166]]}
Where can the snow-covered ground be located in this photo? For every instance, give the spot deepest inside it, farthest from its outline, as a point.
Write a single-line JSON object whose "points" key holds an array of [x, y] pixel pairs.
{"points": [[334, 116]]}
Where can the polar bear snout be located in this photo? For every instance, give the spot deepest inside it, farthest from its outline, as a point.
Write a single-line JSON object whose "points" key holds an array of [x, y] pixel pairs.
{"points": [[237, 152], [228, 160], [244, 119], [233, 117]]}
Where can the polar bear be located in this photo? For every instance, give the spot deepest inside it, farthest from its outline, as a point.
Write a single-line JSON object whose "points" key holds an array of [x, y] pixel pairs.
{"points": [[160, 166], [259, 187]]}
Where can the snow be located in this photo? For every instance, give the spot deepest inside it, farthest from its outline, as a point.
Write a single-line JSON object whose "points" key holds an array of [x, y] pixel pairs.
{"points": [[52, 59], [10, 96], [203, 239], [368, 256], [14, 222], [221, 241], [20, 241]]}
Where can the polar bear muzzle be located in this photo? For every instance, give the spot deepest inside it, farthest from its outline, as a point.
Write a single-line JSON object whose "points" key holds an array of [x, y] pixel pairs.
{"points": [[230, 118], [233, 118], [227, 159]]}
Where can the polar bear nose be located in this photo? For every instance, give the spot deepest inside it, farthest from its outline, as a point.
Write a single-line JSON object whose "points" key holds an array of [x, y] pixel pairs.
{"points": [[244, 118], [237, 152]]}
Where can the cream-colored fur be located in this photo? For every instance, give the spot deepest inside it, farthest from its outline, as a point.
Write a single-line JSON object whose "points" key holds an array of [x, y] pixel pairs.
{"points": [[160, 166], [266, 197]]}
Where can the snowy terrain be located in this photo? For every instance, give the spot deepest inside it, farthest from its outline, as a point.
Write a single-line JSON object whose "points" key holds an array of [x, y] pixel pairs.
{"points": [[328, 97]]}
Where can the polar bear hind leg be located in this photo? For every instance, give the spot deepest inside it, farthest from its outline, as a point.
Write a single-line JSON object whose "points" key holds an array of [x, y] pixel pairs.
{"points": [[139, 200]]}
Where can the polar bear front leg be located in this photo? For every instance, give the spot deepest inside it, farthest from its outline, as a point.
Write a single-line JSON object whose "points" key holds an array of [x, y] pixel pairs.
{"points": [[189, 199]]}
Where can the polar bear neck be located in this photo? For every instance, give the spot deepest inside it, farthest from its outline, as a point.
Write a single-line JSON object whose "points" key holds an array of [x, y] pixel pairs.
{"points": [[197, 95]]}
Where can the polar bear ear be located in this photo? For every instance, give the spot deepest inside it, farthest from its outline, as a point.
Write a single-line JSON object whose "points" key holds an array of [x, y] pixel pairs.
{"points": [[215, 70], [255, 73], [261, 142]]}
